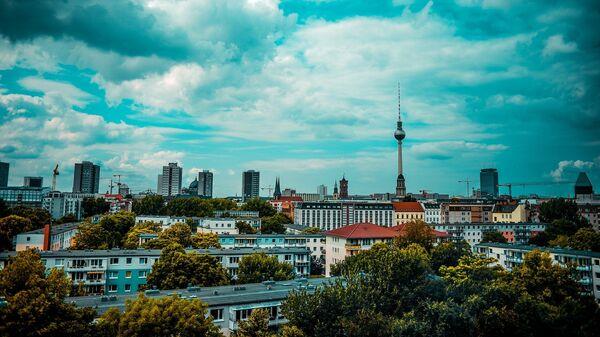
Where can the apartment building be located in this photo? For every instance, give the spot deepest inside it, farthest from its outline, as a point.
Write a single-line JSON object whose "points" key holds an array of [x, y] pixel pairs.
{"points": [[432, 212], [333, 215], [165, 221], [313, 242], [117, 271], [217, 226], [350, 240], [510, 213], [473, 233], [228, 305], [465, 213], [591, 212], [55, 237], [407, 211], [586, 263]]}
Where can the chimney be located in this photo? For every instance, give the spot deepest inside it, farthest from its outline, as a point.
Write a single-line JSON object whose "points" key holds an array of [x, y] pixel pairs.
{"points": [[47, 237]]}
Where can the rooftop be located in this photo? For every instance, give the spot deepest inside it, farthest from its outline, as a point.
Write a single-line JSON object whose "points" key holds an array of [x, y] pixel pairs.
{"points": [[55, 230], [401, 228], [363, 231], [505, 208], [407, 206], [561, 251]]}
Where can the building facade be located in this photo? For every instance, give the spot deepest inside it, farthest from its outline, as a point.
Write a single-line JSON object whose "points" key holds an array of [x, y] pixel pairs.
{"points": [[4, 170], [33, 181], [59, 204], [407, 211], [510, 213], [217, 226], [332, 215], [57, 237], [587, 263], [169, 182], [488, 180], [250, 184], [315, 243], [165, 221], [592, 214], [433, 213], [205, 184], [86, 177], [473, 233], [23, 196]]}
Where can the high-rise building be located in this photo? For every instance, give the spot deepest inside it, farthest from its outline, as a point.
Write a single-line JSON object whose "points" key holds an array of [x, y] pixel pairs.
{"points": [[277, 192], [205, 184], [488, 180], [4, 167], [322, 191], [169, 182], [86, 177], [344, 188], [250, 184], [399, 134], [33, 181]]}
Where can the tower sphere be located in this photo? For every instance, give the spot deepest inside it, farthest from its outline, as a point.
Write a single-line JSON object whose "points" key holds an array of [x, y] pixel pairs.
{"points": [[399, 134]]}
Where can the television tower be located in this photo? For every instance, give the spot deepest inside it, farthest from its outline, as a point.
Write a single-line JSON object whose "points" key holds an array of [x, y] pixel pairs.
{"points": [[399, 134]]}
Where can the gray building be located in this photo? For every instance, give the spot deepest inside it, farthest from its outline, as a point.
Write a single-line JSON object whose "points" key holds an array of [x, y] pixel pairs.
{"points": [[23, 196], [169, 182], [33, 182], [205, 184], [4, 167], [86, 177], [250, 184], [488, 180]]}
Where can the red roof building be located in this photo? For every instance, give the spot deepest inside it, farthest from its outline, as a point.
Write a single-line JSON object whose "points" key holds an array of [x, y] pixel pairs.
{"points": [[407, 211], [363, 231]]}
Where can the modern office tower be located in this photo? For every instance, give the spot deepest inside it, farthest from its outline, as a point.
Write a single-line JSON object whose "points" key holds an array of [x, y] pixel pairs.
{"points": [[250, 184], [86, 177], [169, 182], [399, 134], [322, 190], [205, 184], [4, 167], [488, 180], [159, 184], [344, 188], [33, 181]]}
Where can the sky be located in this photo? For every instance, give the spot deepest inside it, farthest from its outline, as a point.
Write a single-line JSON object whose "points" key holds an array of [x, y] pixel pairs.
{"points": [[303, 90]]}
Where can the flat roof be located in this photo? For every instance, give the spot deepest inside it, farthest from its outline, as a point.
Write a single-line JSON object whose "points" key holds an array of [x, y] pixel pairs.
{"points": [[283, 236], [562, 251], [55, 229], [213, 296]]}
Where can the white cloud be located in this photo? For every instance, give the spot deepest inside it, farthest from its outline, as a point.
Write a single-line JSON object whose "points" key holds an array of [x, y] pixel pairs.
{"points": [[57, 92], [453, 149], [565, 166], [556, 44]]}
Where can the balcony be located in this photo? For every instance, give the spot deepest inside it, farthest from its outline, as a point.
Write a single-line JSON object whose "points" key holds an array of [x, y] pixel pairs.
{"points": [[584, 268], [586, 281], [514, 259]]}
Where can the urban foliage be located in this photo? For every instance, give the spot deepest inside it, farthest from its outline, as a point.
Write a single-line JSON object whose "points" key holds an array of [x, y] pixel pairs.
{"points": [[205, 240], [11, 226], [493, 236], [132, 238], [259, 267], [94, 206], [312, 230], [109, 232], [67, 218], [177, 268], [148, 205], [257, 325], [244, 227], [194, 206], [257, 204], [416, 231], [274, 224], [39, 217], [317, 266]]}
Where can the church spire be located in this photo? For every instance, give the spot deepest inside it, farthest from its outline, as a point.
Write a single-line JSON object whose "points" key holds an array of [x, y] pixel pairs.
{"points": [[277, 193]]}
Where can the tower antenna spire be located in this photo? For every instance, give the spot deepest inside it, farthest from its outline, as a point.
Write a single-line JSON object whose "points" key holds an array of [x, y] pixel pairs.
{"points": [[399, 111]]}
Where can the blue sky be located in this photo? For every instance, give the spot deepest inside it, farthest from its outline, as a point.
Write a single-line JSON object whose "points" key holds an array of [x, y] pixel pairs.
{"points": [[304, 90]]}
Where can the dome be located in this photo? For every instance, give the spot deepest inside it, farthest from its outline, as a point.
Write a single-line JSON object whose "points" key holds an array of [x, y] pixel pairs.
{"points": [[399, 134], [194, 184]]}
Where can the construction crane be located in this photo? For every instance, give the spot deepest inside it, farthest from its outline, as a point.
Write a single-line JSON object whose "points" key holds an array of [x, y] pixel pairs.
{"points": [[538, 183], [468, 182], [54, 174], [268, 188], [118, 182]]}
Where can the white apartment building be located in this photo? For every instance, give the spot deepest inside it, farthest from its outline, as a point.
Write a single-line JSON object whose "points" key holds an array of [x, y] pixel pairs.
{"points": [[57, 237], [217, 226], [473, 233], [333, 215], [433, 212], [59, 204], [165, 221]]}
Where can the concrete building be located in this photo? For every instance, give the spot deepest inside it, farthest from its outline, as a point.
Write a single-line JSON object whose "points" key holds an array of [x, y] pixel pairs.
{"points": [[510, 213], [23, 196], [165, 221], [227, 305], [59, 204], [4, 170], [120, 271], [57, 237], [322, 191], [592, 214], [314, 242], [332, 215], [286, 205], [433, 212], [350, 240], [86, 177], [407, 211], [250, 184], [473, 233], [399, 134], [488, 180], [466, 212], [169, 182], [205, 184], [33, 181], [217, 226], [236, 214], [308, 196], [587, 263]]}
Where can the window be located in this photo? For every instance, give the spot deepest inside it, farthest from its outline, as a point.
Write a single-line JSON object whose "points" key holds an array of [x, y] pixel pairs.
{"points": [[114, 260], [112, 288], [234, 259], [128, 287], [217, 314], [28, 238], [128, 260], [113, 274], [142, 273], [143, 260], [128, 274], [59, 262], [287, 257]]}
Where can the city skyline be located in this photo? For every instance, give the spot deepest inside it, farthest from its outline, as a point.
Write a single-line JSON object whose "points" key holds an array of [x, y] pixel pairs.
{"points": [[283, 100]]}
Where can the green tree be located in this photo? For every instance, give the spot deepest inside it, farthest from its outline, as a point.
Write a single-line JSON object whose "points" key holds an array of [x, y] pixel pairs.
{"points": [[274, 224], [316, 266], [93, 206], [585, 239], [160, 317], [448, 254], [68, 218], [109, 232], [189, 207], [416, 232], [177, 268], [132, 238], [494, 236], [35, 300], [257, 204], [179, 233], [259, 267], [257, 325], [291, 331], [205, 240], [470, 275], [222, 204], [11, 226], [91, 236], [4, 210], [560, 209], [39, 217], [312, 230], [149, 205], [244, 227]]}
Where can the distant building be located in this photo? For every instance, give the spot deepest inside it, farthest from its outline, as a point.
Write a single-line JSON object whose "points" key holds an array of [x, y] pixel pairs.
{"points": [[308, 196], [250, 184], [277, 192], [4, 168], [86, 177], [351, 240], [322, 191], [165, 221], [343, 188], [169, 182], [205, 184], [217, 226], [23, 196], [432, 212], [332, 215], [510, 213], [488, 180], [124, 190], [592, 214], [286, 205], [407, 211], [586, 263], [33, 182], [56, 237], [584, 191], [314, 242], [236, 214], [59, 204], [288, 192], [473, 233]]}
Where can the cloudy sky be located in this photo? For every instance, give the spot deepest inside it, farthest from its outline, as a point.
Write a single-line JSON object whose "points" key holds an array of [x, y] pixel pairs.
{"points": [[305, 90]]}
